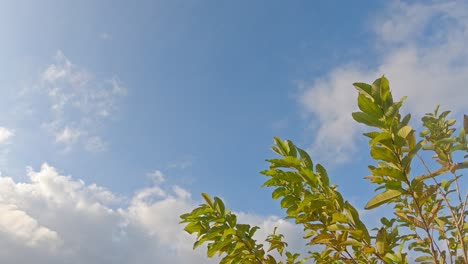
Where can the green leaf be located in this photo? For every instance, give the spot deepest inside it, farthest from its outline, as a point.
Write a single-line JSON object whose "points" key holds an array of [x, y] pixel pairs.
{"points": [[382, 198], [364, 88], [406, 119], [287, 162], [379, 153], [193, 227], [281, 147], [305, 159], [465, 122], [409, 157], [207, 199], [405, 131], [323, 174], [368, 106], [321, 239], [278, 193], [393, 109], [372, 135], [445, 141], [389, 172], [381, 241], [376, 91], [292, 149], [423, 258], [381, 137], [384, 89], [410, 219], [288, 201], [462, 136], [339, 217], [367, 119], [219, 205]]}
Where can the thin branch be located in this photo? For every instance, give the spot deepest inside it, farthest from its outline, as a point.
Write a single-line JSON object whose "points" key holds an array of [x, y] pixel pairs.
{"points": [[453, 167], [349, 254], [426, 227]]}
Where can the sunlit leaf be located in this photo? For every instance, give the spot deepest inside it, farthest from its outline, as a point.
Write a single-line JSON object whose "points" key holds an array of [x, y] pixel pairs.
{"points": [[382, 198], [381, 241], [367, 119]]}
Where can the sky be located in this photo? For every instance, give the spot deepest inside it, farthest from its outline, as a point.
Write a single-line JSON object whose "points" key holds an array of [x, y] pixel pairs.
{"points": [[116, 115]]}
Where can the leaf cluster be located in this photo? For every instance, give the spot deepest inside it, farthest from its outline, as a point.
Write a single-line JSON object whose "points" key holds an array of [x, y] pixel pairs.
{"points": [[429, 209]]}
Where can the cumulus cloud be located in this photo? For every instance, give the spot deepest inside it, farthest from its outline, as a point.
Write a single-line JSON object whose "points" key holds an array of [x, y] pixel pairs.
{"points": [[20, 226], [78, 103], [53, 218], [424, 56], [5, 134]]}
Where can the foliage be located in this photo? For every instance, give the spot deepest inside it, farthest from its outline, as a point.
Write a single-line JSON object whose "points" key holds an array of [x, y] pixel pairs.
{"points": [[429, 208]]}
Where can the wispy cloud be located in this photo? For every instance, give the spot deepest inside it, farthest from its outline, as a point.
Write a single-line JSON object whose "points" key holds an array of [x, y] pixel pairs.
{"points": [[5, 134], [78, 103], [156, 176], [67, 136], [182, 164], [423, 54]]}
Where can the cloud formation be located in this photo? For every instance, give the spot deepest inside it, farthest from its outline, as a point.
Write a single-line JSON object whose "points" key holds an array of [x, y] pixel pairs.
{"points": [[78, 103], [427, 63], [5, 134], [157, 176], [56, 219]]}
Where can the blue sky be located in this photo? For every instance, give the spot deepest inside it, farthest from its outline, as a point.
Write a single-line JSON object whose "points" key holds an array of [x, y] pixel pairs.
{"points": [[170, 98]]}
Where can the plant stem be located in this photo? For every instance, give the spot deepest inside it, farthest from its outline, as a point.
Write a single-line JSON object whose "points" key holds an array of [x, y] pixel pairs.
{"points": [[455, 219]]}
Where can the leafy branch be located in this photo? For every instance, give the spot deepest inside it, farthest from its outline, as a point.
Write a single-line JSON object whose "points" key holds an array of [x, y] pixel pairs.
{"points": [[429, 217]]}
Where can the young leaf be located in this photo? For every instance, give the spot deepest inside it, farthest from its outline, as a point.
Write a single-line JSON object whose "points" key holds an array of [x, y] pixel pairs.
{"points": [[382, 198], [364, 88], [207, 199], [219, 205]]}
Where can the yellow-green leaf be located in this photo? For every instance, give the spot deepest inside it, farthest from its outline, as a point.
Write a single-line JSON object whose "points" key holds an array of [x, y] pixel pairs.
{"points": [[367, 119], [381, 241], [207, 199], [404, 131], [363, 88], [379, 153], [382, 198]]}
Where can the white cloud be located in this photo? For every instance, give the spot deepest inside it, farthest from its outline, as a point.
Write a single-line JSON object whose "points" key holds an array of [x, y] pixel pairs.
{"points": [[156, 176], [5, 134], [19, 225], [67, 136], [424, 57], [53, 218], [77, 99]]}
